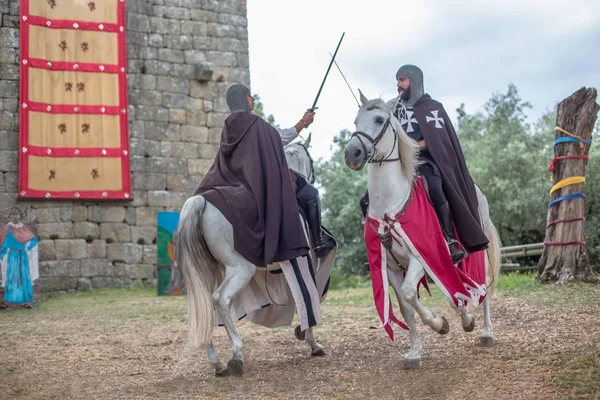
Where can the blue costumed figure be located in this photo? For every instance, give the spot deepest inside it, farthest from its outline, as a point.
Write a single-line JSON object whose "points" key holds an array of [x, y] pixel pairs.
{"points": [[18, 255]]}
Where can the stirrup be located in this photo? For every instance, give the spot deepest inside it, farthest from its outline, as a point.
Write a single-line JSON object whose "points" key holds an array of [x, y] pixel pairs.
{"points": [[461, 251]]}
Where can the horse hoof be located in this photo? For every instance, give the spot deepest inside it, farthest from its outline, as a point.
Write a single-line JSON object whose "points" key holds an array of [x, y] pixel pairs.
{"points": [[236, 367], [445, 327], [320, 352], [300, 335], [486, 341], [471, 326], [412, 363], [223, 373]]}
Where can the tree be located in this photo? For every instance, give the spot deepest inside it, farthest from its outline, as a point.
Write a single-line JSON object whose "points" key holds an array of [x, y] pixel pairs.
{"points": [[259, 110], [342, 190]]}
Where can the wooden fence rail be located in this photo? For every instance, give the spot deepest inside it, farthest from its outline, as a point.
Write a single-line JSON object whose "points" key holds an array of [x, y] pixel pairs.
{"points": [[522, 250]]}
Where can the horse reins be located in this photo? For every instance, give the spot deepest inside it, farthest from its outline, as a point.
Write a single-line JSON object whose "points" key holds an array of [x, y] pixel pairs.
{"points": [[370, 159]]}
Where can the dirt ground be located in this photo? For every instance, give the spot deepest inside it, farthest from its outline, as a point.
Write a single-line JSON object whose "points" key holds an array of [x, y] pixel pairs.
{"points": [[131, 344]]}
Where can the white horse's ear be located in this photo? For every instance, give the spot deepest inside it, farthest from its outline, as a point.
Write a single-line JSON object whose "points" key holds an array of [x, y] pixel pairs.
{"points": [[363, 99], [307, 141]]}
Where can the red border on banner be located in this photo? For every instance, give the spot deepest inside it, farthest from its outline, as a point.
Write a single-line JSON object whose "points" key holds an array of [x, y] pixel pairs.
{"points": [[25, 107]]}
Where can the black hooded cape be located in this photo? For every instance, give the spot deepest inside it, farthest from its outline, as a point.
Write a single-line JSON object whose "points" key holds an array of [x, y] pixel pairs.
{"points": [[249, 182], [442, 143]]}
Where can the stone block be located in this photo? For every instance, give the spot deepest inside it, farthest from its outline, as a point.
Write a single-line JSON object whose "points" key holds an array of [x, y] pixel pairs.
{"points": [[195, 117], [139, 271], [97, 267], [203, 15], [147, 216], [204, 43], [84, 284], [54, 214], [9, 140], [150, 254], [208, 151], [115, 232], [71, 249], [137, 163], [97, 249], [130, 216], [204, 71], [169, 165], [55, 230], [171, 55], [143, 235], [9, 89], [47, 250], [86, 230], [216, 120], [158, 198], [178, 13], [194, 57], [175, 100], [11, 182], [232, 44], [62, 268], [80, 213], [194, 28], [136, 39], [2, 186], [137, 129], [177, 116], [158, 67], [224, 58], [9, 160], [8, 55], [103, 282], [219, 30], [156, 40], [151, 98], [57, 284], [182, 42], [152, 114], [9, 72], [149, 181], [184, 183], [140, 198], [195, 134], [208, 106], [174, 85], [177, 199], [137, 22], [106, 213], [193, 105], [199, 167], [180, 150], [124, 252]]}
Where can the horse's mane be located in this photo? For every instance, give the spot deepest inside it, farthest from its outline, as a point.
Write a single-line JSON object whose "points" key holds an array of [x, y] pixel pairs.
{"points": [[408, 149]]}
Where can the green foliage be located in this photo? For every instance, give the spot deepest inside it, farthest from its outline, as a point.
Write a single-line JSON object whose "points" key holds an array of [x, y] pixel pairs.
{"points": [[259, 109], [342, 191]]}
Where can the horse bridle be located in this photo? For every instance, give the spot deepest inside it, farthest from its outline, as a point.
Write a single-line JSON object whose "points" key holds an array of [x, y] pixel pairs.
{"points": [[370, 158]]}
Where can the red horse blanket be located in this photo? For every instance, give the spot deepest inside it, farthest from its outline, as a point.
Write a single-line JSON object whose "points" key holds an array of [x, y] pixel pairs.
{"points": [[418, 227]]}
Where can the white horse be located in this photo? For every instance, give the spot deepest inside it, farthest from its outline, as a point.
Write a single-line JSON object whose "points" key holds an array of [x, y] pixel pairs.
{"points": [[205, 253], [389, 185]]}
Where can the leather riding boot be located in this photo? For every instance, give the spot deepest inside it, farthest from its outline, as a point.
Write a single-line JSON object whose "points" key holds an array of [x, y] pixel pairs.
{"points": [[313, 215], [457, 252]]}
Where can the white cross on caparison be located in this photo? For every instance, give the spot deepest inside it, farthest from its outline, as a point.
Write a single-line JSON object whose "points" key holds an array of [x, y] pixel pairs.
{"points": [[408, 121], [436, 119]]}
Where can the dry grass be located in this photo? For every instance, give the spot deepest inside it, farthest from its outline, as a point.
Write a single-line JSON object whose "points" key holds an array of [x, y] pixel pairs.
{"points": [[131, 344]]}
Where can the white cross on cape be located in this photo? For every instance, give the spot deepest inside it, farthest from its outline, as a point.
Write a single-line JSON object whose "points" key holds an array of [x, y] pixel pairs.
{"points": [[436, 119], [408, 121]]}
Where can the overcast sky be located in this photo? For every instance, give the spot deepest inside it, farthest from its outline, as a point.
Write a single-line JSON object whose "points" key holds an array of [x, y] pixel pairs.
{"points": [[467, 49]]}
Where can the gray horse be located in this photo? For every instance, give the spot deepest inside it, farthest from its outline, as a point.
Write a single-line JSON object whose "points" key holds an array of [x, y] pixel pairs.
{"points": [[215, 273]]}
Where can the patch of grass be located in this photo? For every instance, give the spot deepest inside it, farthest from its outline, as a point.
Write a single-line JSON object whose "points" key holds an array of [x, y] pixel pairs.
{"points": [[583, 379]]}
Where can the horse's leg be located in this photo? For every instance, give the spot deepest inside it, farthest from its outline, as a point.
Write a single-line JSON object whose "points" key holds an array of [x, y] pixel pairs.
{"points": [[316, 349], [412, 359], [236, 277], [466, 320], [213, 359], [409, 292], [487, 333]]}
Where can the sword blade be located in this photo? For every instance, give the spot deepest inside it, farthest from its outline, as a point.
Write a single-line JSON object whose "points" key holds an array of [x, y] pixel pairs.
{"points": [[314, 106]]}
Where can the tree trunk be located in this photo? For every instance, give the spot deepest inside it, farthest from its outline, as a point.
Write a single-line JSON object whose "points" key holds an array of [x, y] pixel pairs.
{"points": [[561, 261]]}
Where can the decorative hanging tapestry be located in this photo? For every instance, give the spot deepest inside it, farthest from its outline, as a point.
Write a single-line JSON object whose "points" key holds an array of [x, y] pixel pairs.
{"points": [[73, 123]]}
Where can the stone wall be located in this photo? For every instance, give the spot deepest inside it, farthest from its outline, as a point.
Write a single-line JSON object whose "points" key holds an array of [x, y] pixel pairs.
{"points": [[182, 54]]}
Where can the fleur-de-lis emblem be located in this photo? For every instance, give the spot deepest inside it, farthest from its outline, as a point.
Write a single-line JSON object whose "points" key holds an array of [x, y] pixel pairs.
{"points": [[80, 86], [95, 174], [52, 3], [68, 86], [63, 45], [85, 46], [92, 5], [62, 128], [52, 174], [85, 128]]}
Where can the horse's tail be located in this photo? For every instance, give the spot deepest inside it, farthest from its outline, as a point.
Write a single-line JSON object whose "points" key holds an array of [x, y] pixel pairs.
{"points": [[493, 253], [198, 265]]}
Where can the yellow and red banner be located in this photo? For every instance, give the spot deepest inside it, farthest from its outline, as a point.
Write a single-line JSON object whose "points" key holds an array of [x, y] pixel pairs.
{"points": [[74, 141]]}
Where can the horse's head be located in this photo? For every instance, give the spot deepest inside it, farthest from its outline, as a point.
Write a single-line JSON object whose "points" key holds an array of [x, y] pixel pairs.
{"points": [[377, 134], [299, 159]]}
